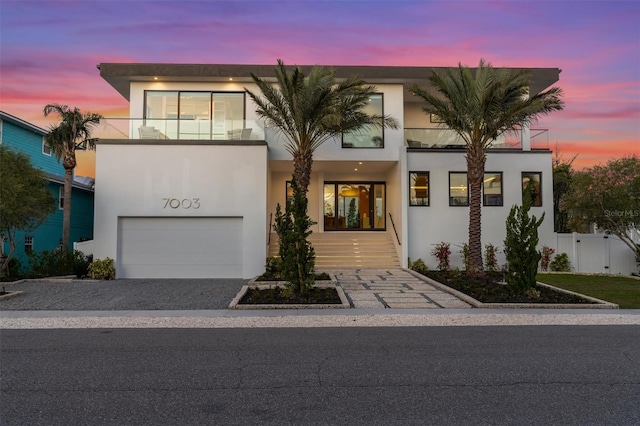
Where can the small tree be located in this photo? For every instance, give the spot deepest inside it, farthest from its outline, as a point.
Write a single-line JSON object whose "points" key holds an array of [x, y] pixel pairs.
{"points": [[520, 245], [352, 215], [490, 258], [296, 252], [608, 196], [25, 201]]}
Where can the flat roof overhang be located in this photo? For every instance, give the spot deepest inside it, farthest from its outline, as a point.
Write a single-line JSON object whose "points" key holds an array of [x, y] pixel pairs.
{"points": [[121, 75]]}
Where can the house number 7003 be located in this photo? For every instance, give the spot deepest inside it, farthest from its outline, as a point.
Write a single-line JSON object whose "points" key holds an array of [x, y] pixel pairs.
{"points": [[185, 203]]}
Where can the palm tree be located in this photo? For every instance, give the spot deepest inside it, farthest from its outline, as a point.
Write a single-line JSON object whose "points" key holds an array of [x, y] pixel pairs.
{"points": [[310, 110], [479, 108], [73, 132]]}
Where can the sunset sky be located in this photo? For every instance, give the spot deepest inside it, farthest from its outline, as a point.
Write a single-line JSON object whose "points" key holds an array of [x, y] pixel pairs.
{"points": [[49, 50]]}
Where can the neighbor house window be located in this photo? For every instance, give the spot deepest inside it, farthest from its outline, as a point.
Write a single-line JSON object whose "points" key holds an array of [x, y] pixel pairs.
{"points": [[419, 188], [46, 149], [367, 136], [458, 189], [61, 197], [28, 244], [535, 179], [492, 189]]}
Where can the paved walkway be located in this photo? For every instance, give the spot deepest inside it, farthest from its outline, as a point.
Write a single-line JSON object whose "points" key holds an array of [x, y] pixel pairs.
{"points": [[392, 288]]}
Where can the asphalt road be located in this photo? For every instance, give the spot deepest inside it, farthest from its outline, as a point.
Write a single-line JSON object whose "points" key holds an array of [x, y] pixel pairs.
{"points": [[576, 375]]}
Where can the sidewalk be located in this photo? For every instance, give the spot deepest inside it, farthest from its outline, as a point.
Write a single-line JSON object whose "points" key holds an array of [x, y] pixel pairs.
{"points": [[381, 298]]}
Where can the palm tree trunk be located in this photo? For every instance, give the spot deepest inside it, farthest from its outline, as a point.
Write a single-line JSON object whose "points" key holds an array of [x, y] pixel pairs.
{"points": [[476, 160], [66, 212], [302, 163]]}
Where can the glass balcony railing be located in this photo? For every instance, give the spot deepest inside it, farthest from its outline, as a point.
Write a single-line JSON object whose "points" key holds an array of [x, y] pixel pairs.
{"points": [[164, 129], [448, 139]]}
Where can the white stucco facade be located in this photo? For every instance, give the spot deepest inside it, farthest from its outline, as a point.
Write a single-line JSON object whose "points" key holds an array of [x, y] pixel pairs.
{"points": [[238, 183], [182, 181]]}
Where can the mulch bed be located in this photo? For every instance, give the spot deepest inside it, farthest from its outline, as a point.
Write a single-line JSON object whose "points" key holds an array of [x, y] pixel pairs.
{"points": [[488, 290], [277, 295]]}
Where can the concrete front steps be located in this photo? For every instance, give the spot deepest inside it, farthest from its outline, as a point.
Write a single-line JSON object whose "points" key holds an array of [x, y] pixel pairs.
{"points": [[346, 249]]}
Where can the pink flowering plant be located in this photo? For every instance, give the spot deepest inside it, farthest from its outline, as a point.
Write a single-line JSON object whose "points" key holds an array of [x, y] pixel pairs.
{"points": [[545, 258], [442, 252]]}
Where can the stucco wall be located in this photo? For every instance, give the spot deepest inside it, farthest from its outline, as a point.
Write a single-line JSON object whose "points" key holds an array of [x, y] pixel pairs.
{"points": [[430, 225], [134, 180]]}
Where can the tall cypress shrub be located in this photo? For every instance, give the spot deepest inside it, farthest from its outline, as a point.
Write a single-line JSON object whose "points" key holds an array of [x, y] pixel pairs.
{"points": [[293, 228], [520, 245]]}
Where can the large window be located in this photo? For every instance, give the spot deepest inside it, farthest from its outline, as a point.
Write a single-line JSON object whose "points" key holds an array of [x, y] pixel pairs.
{"points": [[535, 178], [492, 189], [194, 115], [368, 136], [458, 189], [418, 188]]}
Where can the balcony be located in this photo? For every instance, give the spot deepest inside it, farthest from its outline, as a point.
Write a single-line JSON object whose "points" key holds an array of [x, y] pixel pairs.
{"points": [[182, 129], [448, 139]]}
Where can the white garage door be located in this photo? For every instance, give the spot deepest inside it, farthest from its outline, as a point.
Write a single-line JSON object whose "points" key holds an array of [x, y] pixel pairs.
{"points": [[172, 247]]}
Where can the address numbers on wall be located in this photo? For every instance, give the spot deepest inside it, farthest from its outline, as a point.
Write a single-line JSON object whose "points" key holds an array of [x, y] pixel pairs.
{"points": [[185, 203]]}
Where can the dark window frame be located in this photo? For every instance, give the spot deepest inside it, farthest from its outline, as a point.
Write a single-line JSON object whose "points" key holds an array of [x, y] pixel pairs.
{"points": [[369, 147], [538, 196], [428, 196], [484, 195], [451, 203]]}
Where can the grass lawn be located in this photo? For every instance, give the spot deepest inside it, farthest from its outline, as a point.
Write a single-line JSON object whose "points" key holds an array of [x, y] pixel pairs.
{"points": [[624, 291]]}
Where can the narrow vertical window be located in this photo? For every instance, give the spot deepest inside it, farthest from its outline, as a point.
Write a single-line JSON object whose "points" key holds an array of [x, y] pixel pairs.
{"points": [[289, 191], [61, 197], [535, 179], [419, 188], [458, 189], [46, 149], [28, 244], [492, 189]]}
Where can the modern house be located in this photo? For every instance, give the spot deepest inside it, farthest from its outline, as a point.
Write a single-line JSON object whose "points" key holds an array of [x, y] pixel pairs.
{"points": [[28, 139], [188, 185]]}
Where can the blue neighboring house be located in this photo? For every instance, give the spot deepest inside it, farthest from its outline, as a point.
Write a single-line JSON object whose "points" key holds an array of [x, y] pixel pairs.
{"points": [[24, 137]]}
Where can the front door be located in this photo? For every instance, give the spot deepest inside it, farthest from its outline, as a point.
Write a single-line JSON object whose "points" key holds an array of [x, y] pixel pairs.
{"points": [[354, 206]]}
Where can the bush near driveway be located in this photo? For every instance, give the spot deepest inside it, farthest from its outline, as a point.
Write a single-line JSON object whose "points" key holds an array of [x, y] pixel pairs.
{"points": [[624, 291]]}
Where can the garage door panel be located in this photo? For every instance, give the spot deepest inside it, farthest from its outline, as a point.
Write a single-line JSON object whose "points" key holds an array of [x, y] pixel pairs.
{"points": [[180, 247]]}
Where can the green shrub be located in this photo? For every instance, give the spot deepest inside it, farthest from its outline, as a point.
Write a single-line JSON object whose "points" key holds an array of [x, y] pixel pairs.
{"points": [[464, 252], [50, 263], [490, 258], [81, 264], [520, 246], [418, 266], [561, 263], [102, 269], [298, 256]]}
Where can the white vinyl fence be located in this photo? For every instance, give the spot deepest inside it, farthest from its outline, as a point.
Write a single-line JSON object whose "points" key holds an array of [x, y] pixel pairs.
{"points": [[596, 253], [85, 247]]}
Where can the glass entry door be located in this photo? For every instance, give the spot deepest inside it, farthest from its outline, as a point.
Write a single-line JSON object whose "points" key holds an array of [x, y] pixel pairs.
{"points": [[354, 206]]}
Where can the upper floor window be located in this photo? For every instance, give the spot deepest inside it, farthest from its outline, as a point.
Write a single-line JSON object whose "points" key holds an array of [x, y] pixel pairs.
{"points": [[368, 136], [46, 149], [194, 115], [492, 189], [28, 244], [458, 189], [535, 178], [418, 188]]}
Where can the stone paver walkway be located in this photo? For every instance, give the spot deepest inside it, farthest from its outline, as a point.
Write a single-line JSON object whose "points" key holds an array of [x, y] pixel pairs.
{"points": [[392, 288]]}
